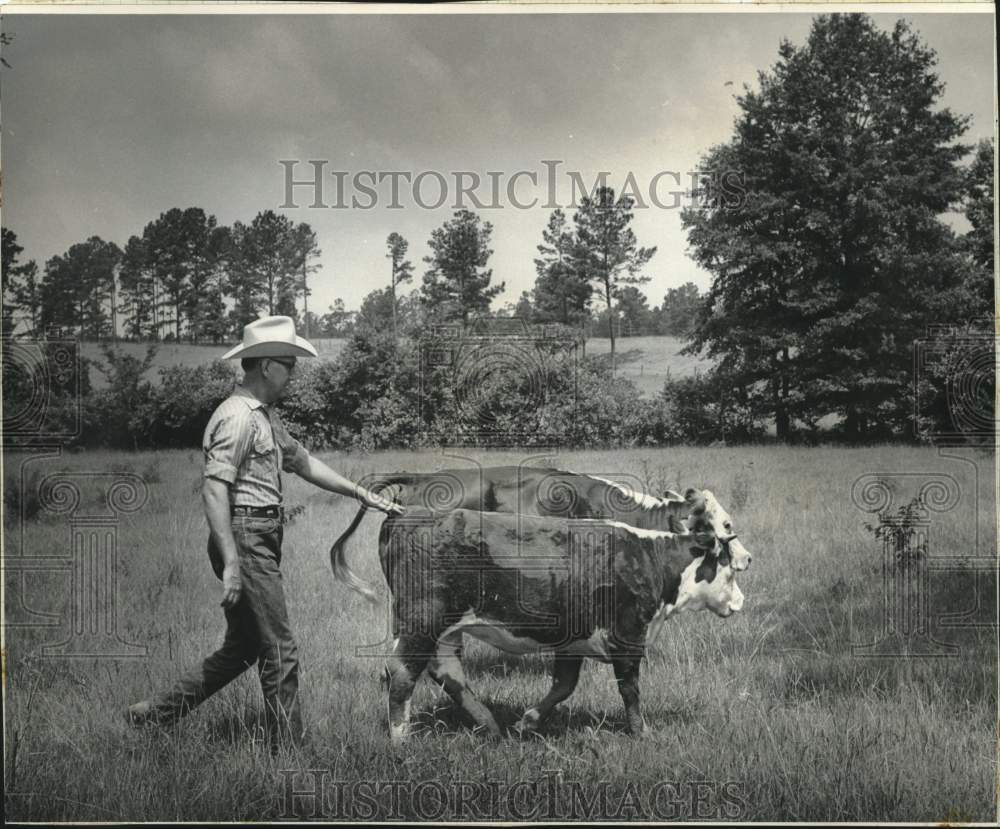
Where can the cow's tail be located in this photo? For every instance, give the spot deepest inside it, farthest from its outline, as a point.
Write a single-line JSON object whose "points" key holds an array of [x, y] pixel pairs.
{"points": [[338, 560]]}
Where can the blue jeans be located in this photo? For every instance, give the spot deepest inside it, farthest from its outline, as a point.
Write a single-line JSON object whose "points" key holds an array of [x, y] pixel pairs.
{"points": [[257, 632]]}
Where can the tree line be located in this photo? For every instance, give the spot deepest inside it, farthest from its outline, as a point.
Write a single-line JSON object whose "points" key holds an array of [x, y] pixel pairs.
{"points": [[189, 278], [575, 275], [185, 278]]}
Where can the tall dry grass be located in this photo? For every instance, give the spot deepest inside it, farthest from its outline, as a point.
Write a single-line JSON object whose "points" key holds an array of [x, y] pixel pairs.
{"points": [[771, 700]]}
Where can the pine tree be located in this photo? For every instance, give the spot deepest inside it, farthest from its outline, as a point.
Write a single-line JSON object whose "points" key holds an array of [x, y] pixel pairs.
{"points": [[829, 257], [561, 293], [457, 283], [78, 288], [19, 282], [606, 252], [401, 272]]}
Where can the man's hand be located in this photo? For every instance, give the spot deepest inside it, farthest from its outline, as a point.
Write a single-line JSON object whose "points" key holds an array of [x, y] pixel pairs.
{"points": [[380, 502], [318, 473], [232, 585]]}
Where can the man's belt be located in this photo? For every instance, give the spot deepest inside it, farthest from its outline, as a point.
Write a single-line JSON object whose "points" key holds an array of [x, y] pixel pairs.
{"points": [[259, 512]]}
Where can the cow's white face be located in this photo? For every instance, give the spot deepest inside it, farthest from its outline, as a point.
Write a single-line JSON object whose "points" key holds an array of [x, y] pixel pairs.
{"points": [[713, 529], [707, 584]]}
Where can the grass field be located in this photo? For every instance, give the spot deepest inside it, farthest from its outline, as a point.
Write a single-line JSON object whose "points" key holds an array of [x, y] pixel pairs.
{"points": [[770, 703], [645, 360]]}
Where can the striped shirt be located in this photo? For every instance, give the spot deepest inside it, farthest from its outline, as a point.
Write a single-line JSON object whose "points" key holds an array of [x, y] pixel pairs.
{"points": [[246, 445]]}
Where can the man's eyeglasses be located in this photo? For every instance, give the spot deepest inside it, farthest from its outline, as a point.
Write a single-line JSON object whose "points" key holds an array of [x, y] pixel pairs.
{"points": [[288, 364]]}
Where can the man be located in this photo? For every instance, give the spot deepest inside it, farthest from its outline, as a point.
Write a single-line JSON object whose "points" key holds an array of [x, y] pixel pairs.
{"points": [[246, 446]]}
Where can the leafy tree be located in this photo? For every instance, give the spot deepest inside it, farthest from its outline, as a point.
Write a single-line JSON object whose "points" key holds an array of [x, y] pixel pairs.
{"points": [[561, 293], [634, 310], [313, 324], [175, 245], [266, 266], [138, 292], [184, 398], [379, 311], [457, 283], [245, 286], [20, 288], [304, 250], [706, 408], [26, 296], [402, 269], [676, 317], [829, 257], [77, 289], [606, 253], [125, 406], [978, 204], [203, 305], [174, 274], [339, 322], [524, 308]]}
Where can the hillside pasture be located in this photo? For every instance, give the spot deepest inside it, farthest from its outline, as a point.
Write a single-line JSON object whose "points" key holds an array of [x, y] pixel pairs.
{"points": [[771, 703], [647, 361]]}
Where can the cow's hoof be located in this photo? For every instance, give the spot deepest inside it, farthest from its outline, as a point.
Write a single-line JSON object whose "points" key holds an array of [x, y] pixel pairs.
{"points": [[489, 730], [636, 728], [399, 735], [529, 723]]}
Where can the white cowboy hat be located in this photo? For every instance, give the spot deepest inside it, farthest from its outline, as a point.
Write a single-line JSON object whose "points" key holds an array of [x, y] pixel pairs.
{"points": [[271, 337]]}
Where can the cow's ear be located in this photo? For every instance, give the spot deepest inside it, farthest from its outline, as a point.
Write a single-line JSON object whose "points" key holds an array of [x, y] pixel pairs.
{"points": [[670, 495], [676, 527]]}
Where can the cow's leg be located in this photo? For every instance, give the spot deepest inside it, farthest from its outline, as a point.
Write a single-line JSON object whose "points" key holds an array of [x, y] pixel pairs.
{"points": [[627, 673], [446, 668], [565, 675], [408, 660]]}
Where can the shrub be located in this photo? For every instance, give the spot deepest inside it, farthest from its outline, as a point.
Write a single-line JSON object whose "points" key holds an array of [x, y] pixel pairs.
{"points": [[706, 408], [121, 415], [21, 502], [185, 399], [313, 410]]}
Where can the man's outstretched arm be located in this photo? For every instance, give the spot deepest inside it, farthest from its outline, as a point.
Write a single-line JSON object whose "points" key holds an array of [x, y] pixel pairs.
{"points": [[319, 474]]}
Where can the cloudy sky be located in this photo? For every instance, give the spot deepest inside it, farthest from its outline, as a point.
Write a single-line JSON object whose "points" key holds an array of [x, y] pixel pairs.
{"points": [[110, 120]]}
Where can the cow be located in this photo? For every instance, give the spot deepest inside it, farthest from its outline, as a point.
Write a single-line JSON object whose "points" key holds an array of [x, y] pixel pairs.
{"points": [[579, 587], [559, 493]]}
